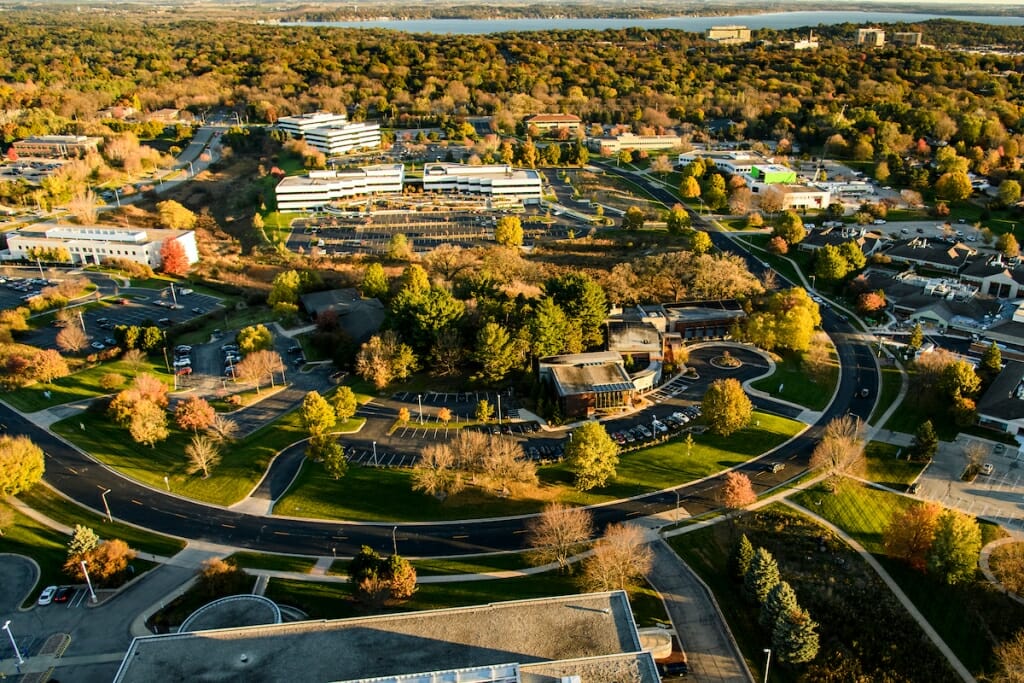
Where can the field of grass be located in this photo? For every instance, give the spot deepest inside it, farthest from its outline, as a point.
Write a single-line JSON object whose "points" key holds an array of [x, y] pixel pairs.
{"points": [[281, 563], [230, 320], [884, 467], [376, 494], [44, 545], [43, 499], [81, 385], [798, 386], [471, 565], [861, 511], [912, 412], [892, 380]]}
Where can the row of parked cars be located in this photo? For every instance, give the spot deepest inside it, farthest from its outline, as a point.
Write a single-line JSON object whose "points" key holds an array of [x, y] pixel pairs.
{"points": [[232, 356], [56, 594], [662, 425]]}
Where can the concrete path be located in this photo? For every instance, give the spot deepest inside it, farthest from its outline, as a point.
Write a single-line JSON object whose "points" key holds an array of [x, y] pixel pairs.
{"points": [[711, 651], [986, 568], [932, 634]]}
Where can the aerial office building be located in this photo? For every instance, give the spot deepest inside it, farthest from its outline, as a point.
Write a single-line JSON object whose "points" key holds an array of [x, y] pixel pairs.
{"points": [[318, 189]]}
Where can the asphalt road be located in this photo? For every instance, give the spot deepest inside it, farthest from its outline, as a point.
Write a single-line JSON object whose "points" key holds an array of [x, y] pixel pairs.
{"points": [[83, 480]]}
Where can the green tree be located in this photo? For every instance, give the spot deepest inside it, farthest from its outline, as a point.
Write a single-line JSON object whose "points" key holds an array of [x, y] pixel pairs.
{"points": [[415, 282], [83, 541], [916, 337], [509, 231], [152, 337], [959, 379], [926, 442], [781, 600], [953, 557], [592, 456], [284, 289], [795, 637], [375, 282], [853, 254], [700, 243], [1009, 192], [741, 557], [1007, 245], [385, 358], [690, 187], [790, 227], [318, 416], [495, 352], [726, 407], [548, 327], [761, 577], [484, 411], [254, 338], [399, 248], [326, 449], [345, 404], [147, 423], [634, 219], [174, 216], [21, 464], [991, 362], [677, 219], [954, 186], [830, 265], [584, 303]]}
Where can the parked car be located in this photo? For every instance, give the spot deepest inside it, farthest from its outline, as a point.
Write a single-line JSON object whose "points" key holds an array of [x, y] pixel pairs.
{"points": [[63, 594], [46, 597], [197, 310], [99, 346], [776, 467], [166, 322], [186, 370], [110, 341], [987, 468]]}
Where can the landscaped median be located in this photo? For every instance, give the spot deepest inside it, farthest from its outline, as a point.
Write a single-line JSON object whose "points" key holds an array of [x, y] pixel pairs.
{"points": [[799, 380], [379, 494]]}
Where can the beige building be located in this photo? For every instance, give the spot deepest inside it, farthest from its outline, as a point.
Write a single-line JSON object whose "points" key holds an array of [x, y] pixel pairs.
{"points": [[92, 245], [871, 37], [56, 146], [615, 144], [728, 35], [548, 122], [908, 38]]}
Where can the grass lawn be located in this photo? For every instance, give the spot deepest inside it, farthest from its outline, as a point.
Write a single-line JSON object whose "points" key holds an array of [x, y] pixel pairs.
{"points": [[757, 243], [892, 381], [281, 563], [230, 320], [43, 544], [244, 398], [377, 494], [912, 412], [81, 385], [798, 386], [471, 565], [884, 467], [240, 468], [60, 509], [861, 511]]}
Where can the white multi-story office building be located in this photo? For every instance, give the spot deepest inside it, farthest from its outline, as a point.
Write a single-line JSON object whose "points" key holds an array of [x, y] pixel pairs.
{"points": [[735, 162], [339, 138], [318, 189], [91, 245], [303, 123], [496, 181]]}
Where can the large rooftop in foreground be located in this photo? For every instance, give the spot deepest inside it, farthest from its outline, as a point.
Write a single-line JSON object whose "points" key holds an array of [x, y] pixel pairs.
{"points": [[525, 632]]}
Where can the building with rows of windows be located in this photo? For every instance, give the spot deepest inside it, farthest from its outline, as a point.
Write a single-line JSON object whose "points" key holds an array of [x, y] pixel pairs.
{"points": [[318, 189], [496, 181], [92, 245], [332, 134]]}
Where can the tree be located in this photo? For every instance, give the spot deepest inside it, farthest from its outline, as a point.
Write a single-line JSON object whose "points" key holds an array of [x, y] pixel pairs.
{"points": [[329, 451], [790, 227], [106, 563], [318, 417], [378, 579], [285, 288], [21, 464], [689, 188], [254, 338], [830, 265], [761, 577], [174, 216], [795, 637], [1009, 192], [621, 557], [257, 365], [504, 465], [509, 231], [548, 327], [436, 473], [1009, 657], [871, 302], [953, 557], [926, 442], [592, 456], [738, 492], [953, 187], [633, 219], [194, 413], [47, 365], [375, 282], [700, 243], [385, 358], [495, 352], [83, 540], [6, 519], [991, 362], [72, 339], [484, 411], [911, 533], [916, 337], [403, 415], [959, 379], [557, 533], [840, 452], [726, 407], [444, 415], [853, 254], [1007, 245], [781, 599], [173, 259], [399, 248], [217, 578], [777, 245], [147, 423], [401, 577], [741, 557], [111, 380], [677, 218], [584, 302], [223, 429], [203, 454], [345, 404]]}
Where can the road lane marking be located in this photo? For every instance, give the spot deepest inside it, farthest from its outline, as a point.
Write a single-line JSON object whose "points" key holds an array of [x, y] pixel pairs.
{"points": [[136, 502], [460, 536], [227, 526], [281, 533]]}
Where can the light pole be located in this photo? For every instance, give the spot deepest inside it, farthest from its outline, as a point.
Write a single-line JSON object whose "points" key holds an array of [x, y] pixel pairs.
{"points": [[17, 652], [174, 297], [117, 197], [85, 571], [767, 663], [167, 483], [812, 282], [394, 540], [677, 504], [419, 401], [106, 506], [191, 172], [375, 453], [40, 266], [499, 407]]}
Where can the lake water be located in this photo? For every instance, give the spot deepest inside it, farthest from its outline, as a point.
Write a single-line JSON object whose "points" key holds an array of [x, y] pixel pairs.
{"points": [[781, 20]]}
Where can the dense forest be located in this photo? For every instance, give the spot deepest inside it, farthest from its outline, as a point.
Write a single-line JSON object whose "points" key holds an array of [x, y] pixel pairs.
{"points": [[61, 68]]}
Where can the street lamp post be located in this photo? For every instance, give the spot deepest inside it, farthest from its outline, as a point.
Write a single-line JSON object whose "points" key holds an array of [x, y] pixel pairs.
{"points": [[40, 266], [767, 663], [191, 172], [106, 505], [117, 197], [812, 282], [167, 483], [394, 540], [375, 453], [17, 652], [419, 401], [677, 504], [499, 407], [85, 571]]}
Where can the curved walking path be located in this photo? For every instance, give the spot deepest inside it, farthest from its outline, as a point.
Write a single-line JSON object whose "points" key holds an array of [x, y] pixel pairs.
{"points": [[912, 610], [986, 568]]}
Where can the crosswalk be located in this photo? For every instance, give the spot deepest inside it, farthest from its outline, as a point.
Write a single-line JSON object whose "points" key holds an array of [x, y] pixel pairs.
{"points": [[668, 390]]}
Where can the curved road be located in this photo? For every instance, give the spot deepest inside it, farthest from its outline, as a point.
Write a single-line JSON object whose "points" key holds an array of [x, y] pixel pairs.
{"points": [[82, 479]]}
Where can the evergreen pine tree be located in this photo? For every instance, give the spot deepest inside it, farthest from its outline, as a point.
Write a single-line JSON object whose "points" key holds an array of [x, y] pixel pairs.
{"points": [[781, 600], [762, 576], [83, 540], [795, 637], [742, 554]]}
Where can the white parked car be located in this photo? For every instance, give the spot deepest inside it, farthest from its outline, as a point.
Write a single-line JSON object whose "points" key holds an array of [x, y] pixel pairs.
{"points": [[46, 597]]}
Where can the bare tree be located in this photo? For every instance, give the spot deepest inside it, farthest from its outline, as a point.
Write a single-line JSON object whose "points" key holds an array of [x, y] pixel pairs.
{"points": [[63, 317], [558, 533], [203, 453], [259, 365], [223, 429], [436, 474], [135, 359], [974, 454], [505, 464], [738, 492], [841, 449], [1010, 660], [469, 449], [620, 557], [83, 207], [72, 339], [818, 357]]}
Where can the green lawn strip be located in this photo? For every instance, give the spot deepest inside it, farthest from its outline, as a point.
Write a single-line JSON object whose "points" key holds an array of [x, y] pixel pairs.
{"points": [[884, 467], [779, 263], [861, 511], [911, 413], [281, 563], [892, 381], [81, 385], [46, 546], [798, 386], [245, 398], [378, 494], [230, 320], [470, 565], [45, 500], [241, 466]]}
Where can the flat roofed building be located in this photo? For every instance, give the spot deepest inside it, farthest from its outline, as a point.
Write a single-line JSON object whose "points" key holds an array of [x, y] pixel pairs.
{"points": [[592, 633], [340, 138], [617, 143], [796, 196], [735, 162], [303, 123], [871, 37], [56, 146], [318, 189], [695, 320], [92, 245], [769, 174], [909, 38], [496, 181], [588, 382], [549, 122], [728, 35]]}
